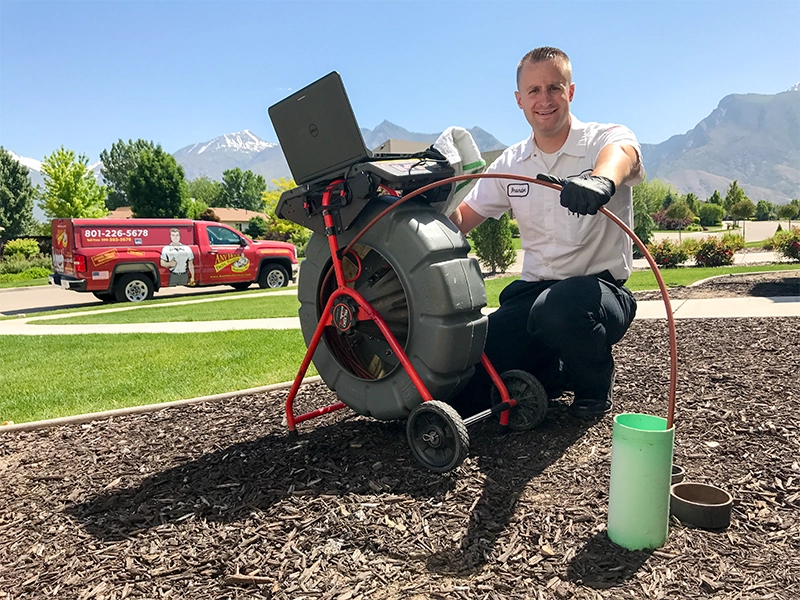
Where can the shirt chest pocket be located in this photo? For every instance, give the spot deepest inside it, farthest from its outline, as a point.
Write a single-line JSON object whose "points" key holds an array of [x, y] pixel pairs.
{"points": [[578, 230]]}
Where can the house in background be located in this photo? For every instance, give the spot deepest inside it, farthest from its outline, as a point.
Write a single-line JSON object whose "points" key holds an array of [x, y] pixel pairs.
{"points": [[238, 218]]}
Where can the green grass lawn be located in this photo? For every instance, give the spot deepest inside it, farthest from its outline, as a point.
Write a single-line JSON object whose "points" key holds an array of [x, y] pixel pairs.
{"points": [[50, 376], [259, 307], [26, 283]]}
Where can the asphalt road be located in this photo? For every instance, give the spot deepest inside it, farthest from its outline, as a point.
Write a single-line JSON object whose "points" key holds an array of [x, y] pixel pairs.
{"points": [[36, 299]]}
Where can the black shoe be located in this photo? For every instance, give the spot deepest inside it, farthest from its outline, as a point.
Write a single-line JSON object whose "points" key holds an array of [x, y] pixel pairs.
{"points": [[583, 407]]}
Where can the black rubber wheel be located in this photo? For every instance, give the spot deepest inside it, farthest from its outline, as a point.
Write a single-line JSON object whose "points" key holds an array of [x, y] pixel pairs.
{"points": [[134, 287], [437, 436], [105, 296], [415, 272], [273, 276], [531, 398], [242, 285]]}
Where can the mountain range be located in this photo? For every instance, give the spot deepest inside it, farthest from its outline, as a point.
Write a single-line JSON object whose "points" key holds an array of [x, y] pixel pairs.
{"points": [[752, 138]]}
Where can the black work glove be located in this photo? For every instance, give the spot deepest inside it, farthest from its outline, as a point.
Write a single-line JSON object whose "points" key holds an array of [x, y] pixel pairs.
{"points": [[583, 195]]}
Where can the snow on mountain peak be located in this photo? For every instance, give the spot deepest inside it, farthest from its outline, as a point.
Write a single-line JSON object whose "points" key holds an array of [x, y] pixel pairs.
{"points": [[31, 163], [794, 88]]}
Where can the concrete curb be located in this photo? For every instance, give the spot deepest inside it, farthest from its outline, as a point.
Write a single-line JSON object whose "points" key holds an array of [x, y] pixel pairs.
{"points": [[147, 408]]}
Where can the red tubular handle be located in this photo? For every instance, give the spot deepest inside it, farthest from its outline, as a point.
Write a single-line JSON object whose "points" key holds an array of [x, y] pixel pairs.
{"points": [[673, 344]]}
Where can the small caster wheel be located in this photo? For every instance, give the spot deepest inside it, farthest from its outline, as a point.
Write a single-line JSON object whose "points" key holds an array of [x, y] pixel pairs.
{"points": [[531, 399], [437, 436]]}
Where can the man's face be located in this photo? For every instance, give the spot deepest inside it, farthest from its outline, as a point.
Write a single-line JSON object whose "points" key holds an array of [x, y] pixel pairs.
{"points": [[175, 237], [544, 95]]}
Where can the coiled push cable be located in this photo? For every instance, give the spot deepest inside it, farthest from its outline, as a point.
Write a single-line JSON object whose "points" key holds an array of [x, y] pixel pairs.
{"points": [[673, 345]]}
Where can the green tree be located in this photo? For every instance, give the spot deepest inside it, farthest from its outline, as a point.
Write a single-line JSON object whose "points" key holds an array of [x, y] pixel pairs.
{"points": [[681, 212], [493, 244], [711, 214], [70, 188], [157, 186], [653, 193], [205, 190], [118, 163], [765, 211], [241, 189], [733, 196], [257, 228], [668, 201], [643, 223], [16, 197], [789, 211], [693, 202], [281, 228], [195, 208], [715, 198], [744, 209]]}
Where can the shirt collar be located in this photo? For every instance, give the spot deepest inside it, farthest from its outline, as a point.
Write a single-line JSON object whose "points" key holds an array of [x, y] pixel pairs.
{"points": [[574, 146]]}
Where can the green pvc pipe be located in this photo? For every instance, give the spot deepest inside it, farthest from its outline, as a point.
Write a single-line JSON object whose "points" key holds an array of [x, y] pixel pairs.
{"points": [[641, 473]]}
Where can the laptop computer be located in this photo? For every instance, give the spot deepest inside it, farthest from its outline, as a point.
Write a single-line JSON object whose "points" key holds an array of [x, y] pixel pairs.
{"points": [[317, 130]]}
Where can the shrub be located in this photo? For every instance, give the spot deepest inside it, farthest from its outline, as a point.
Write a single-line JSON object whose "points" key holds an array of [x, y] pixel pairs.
{"points": [[787, 243], [713, 252], [23, 246], [667, 254], [300, 239], [28, 274], [257, 227], [664, 221], [18, 264], [690, 245], [734, 241], [711, 214], [492, 242], [694, 227], [514, 228]]}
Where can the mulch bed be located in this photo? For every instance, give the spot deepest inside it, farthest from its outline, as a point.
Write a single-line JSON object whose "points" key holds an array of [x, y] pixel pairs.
{"points": [[214, 500]]}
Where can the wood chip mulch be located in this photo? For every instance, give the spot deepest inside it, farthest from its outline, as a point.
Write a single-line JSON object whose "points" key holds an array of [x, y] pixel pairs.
{"points": [[216, 501]]}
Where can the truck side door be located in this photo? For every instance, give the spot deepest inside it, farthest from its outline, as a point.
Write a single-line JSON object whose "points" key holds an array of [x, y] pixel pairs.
{"points": [[232, 257]]}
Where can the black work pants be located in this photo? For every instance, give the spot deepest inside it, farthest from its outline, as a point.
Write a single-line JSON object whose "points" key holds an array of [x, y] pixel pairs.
{"points": [[574, 321]]}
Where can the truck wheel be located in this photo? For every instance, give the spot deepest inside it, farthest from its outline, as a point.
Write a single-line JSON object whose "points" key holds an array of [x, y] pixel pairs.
{"points": [[273, 276], [134, 287], [105, 296], [415, 272], [242, 285]]}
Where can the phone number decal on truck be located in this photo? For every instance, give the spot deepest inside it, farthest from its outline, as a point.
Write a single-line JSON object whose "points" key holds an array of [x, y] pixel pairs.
{"points": [[97, 235]]}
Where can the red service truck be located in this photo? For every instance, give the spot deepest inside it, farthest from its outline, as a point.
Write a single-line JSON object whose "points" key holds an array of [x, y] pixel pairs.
{"points": [[130, 259]]}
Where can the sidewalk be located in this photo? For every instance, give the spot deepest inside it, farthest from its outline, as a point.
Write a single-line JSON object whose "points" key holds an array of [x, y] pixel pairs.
{"points": [[706, 308]]}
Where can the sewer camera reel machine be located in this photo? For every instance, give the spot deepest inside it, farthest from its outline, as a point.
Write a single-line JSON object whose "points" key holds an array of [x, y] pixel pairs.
{"points": [[390, 304]]}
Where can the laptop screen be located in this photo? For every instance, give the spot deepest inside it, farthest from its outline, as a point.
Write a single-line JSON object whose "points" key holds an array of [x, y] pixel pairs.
{"points": [[317, 130]]}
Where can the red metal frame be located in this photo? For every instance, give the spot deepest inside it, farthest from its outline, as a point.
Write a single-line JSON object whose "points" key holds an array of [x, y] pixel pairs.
{"points": [[365, 312]]}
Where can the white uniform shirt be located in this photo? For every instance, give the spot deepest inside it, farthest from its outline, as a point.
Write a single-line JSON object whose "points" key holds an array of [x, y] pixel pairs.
{"points": [[556, 243], [182, 255]]}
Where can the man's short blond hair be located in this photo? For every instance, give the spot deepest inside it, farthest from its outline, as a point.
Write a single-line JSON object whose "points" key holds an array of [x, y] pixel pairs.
{"points": [[547, 53]]}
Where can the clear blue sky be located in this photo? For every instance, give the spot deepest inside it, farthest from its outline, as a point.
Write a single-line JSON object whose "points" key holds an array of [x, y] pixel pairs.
{"points": [[83, 74]]}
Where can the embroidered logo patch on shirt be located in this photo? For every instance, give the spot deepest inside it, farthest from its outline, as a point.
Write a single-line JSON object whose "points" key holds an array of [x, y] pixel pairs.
{"points": [[518, 190]]}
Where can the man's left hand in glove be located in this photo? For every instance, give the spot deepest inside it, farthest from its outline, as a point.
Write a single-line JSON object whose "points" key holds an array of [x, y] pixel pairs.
{"points": [[583, 195]]}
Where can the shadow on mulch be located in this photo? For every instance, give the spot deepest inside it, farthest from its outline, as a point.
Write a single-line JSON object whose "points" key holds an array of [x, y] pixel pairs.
{"points": [[601, 564], [785, 286], [231, 483], [505, 480]]}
